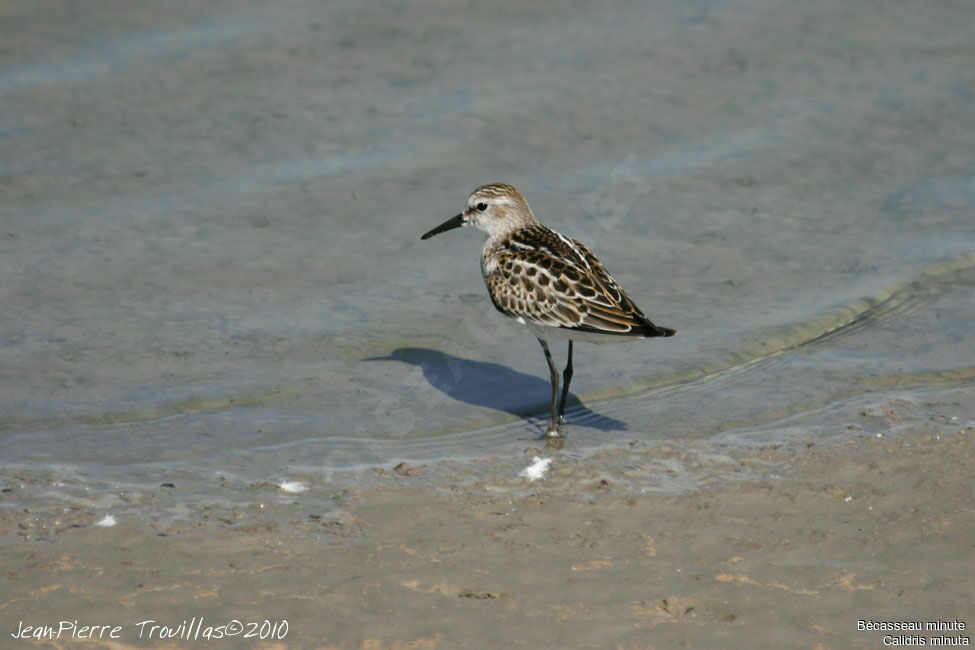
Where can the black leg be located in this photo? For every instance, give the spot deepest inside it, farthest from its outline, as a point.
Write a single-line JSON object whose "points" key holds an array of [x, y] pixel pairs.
{"points": [[566, 378], [553, 427]]}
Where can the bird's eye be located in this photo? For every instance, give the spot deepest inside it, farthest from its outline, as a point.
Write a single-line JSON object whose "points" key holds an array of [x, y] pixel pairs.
{"points": [[482, 206]]}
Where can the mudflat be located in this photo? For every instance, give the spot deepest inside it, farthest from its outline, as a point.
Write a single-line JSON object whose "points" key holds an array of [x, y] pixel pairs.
{"points": [[838, 546]]}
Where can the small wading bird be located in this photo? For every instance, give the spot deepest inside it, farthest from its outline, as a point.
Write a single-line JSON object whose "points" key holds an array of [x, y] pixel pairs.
{"points": [[547, 281]]}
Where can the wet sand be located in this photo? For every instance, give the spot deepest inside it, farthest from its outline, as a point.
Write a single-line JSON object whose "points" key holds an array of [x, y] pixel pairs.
{"points": [[873, 528]]}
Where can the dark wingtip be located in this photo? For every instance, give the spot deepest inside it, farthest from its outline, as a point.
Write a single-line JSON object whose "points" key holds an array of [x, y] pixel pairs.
{"points": [[649, 329]]}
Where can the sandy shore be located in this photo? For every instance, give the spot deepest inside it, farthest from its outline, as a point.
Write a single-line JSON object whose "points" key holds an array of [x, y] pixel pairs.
{"points": [[876, 529]]}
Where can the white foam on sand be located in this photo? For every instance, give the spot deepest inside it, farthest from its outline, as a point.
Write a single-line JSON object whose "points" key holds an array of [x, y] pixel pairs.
{"points": [[293, 486], [537, 469]]}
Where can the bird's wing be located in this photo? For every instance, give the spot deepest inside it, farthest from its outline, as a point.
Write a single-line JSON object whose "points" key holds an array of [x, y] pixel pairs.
{"points": [[548, 279]]}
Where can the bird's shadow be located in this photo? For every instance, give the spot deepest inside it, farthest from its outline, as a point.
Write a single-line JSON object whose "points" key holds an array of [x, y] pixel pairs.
{"points": [[496, 386]]}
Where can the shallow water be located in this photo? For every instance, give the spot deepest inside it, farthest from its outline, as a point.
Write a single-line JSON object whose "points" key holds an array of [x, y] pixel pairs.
{"points": [[211, 269]]}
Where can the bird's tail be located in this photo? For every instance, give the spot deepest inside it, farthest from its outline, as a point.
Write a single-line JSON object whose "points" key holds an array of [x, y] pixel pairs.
{"points": [[648, 329]]}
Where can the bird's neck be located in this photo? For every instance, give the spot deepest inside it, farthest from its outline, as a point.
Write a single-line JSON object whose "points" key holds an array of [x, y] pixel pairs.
{"points": [[489, 251]]}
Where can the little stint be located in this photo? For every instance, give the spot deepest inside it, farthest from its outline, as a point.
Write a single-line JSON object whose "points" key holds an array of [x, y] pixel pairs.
{"points": [[549, 282]]}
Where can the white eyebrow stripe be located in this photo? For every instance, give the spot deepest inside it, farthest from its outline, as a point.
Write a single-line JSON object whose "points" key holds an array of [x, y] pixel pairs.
{"points": [[568, 242]]}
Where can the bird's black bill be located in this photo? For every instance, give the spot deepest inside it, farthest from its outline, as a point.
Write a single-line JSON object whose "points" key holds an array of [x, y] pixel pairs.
{"points": [[449, 224]]}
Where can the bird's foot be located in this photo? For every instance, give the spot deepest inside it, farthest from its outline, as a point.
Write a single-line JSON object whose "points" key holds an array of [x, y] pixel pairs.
{"points": [[555, 429]]}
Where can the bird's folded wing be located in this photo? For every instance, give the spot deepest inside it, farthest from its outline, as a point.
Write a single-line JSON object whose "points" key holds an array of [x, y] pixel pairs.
{"points": [[559, 283]]}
